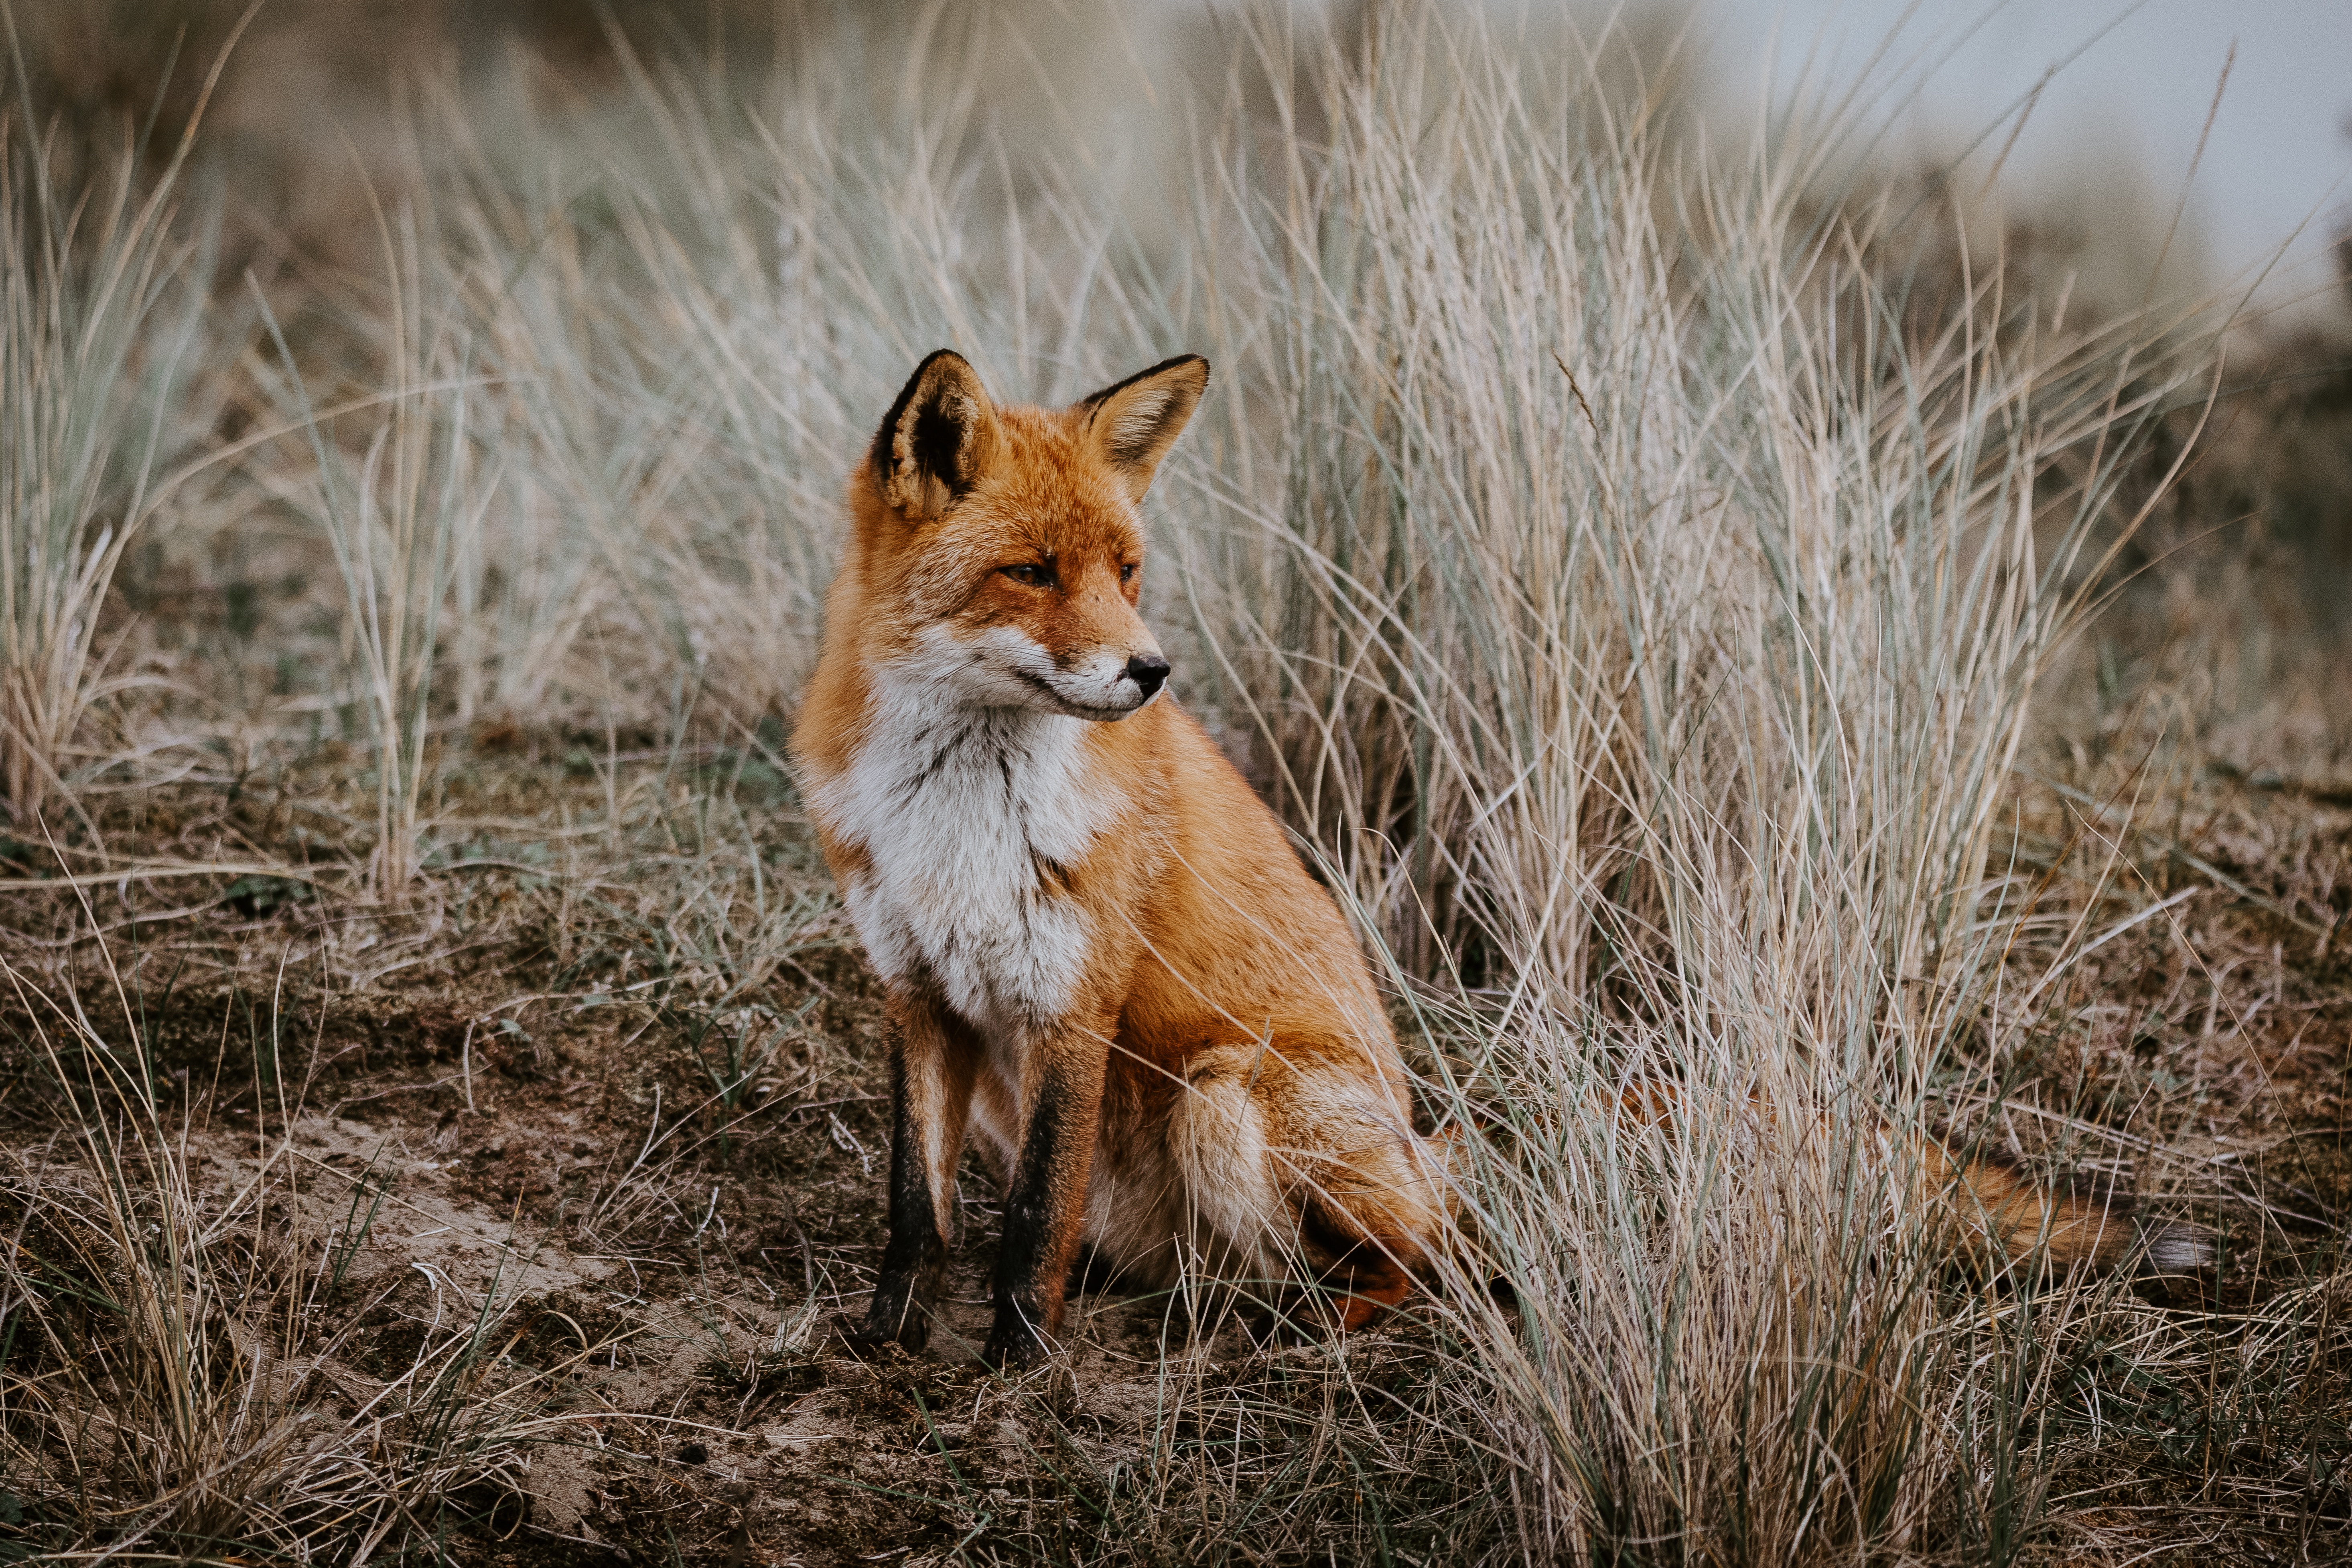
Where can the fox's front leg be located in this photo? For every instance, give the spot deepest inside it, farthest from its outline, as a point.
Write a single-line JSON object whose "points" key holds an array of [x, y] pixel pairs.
{"points": [[1044, 1208], [932, 1065]]}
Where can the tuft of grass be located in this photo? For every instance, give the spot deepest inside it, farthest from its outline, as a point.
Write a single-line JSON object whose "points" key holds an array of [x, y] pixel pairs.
{"points": [[401, 501], [101, 309]]}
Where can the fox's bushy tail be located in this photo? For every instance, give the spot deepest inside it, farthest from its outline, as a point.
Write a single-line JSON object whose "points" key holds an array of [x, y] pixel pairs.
{"points": [[2000, 1214], [1993, 1213]]}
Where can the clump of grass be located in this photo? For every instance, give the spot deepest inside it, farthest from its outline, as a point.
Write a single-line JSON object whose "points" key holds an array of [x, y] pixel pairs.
{"points": [[401, 502], [1640, 610], [100, 331]]}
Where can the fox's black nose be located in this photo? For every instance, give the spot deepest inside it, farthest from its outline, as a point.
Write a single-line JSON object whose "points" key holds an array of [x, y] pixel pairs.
{"points": [[1147, 670]]}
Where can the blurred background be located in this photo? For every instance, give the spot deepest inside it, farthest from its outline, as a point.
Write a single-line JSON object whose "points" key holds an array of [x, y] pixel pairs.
{"points": [[2168, 155], [2227, 129]]}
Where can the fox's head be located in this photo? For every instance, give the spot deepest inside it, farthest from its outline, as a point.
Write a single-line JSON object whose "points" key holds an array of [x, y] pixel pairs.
{"points": [[1003, 547]]}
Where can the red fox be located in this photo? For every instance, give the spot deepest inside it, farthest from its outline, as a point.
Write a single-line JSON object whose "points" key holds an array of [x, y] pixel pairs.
{"points": [[1100, 950]]}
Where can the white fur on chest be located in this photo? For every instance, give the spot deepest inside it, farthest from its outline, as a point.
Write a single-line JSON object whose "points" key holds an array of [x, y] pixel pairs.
{"points": [[965, 814]]}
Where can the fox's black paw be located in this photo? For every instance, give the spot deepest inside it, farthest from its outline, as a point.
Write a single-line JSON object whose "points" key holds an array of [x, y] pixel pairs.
{"points": [[1014, 1345], [909, 1330], [1275, 1329]]}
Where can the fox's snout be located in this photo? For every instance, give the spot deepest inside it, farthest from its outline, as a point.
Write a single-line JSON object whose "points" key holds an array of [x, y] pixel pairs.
{"points": [[1139, 678], [1108, 684], [1150, 673]]}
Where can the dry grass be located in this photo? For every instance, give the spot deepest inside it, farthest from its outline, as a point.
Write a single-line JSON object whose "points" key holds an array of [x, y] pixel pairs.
{"points": [[444, 1101], [100, 334]]}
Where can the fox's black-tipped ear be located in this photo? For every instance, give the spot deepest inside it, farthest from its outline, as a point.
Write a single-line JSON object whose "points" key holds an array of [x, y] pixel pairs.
{"points": [[937, 439], [1132, 425]]}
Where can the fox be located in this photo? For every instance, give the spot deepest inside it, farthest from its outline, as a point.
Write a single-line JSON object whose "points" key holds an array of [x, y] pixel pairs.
{"points": [[1104, 966]]}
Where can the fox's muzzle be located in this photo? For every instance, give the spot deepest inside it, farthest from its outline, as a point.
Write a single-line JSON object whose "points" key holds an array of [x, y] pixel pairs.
{"points": [[1150, 672]]}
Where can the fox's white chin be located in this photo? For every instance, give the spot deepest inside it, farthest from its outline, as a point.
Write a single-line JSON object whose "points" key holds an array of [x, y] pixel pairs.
{"points": [[1099, 712]]}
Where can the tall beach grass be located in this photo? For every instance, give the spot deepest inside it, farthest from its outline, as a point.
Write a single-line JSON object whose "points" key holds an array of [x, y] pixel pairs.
{"points": [[1638, 606]]}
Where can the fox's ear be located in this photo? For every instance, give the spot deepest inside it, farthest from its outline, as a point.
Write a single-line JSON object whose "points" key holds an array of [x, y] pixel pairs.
{"points": [[1132, 426], [939, 438]]}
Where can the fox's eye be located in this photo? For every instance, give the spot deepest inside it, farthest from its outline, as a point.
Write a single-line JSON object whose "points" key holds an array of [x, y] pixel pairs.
{"points": [[1029, 576], [1126, 573]]}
